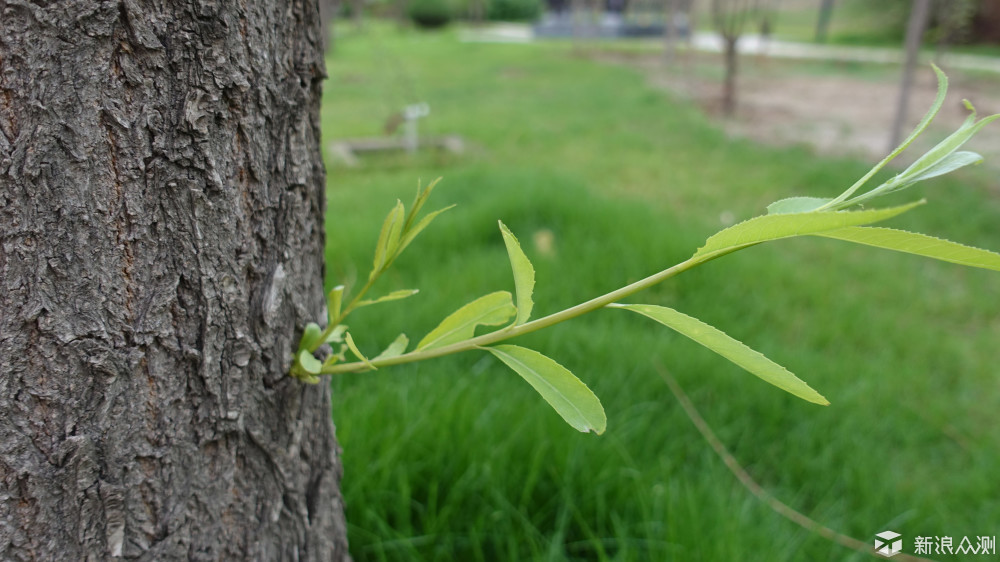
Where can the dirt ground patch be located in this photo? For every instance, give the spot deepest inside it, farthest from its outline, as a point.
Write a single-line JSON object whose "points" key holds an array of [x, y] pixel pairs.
{"points": [[838, 112]]}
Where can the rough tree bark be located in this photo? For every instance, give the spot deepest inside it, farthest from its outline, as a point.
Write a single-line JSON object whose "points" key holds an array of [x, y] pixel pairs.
{"points": [[161, 244]]}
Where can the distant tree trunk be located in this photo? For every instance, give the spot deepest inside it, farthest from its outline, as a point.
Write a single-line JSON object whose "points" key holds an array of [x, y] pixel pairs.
{"points": [[766, 15], [579, 14], [477, 10], [823, 20], [161, 245], [986, 22], [399, 12], [729, 83], [954, 23], [914, 34], [358, 13], [730, 18], [328, 15], [670, 31]]}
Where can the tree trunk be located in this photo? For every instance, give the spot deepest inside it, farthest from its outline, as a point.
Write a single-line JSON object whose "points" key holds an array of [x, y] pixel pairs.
{"points": [[477, 9], [823, 20], [161, 246], [729, 82], [358, 13], [328, 16], [919, 15], [670, 31]]}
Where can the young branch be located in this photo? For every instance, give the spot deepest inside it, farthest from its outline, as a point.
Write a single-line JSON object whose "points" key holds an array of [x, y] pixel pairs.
{"points": [[527, 328]]}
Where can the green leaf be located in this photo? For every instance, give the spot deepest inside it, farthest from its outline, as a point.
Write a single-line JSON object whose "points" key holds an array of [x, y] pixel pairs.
{"points": [[333, 303], [395, 233], [310, 337], [918, 244], [950, 144], [357, 353], [418, 202], [935, 107], [560, 388], [309, 363], [524, 275], [337, 334], [388, 238], [493, 309], [731, 349], [796, 205], [424, 222], [774, 227], [948, 164], [395, 349], [937, 161], [393, 296]]}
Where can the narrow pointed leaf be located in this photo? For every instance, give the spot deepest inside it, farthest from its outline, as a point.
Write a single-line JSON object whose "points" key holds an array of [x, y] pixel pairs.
{"points": [[568, 395], [393, 296], [796, 205], [493, 309], [391, 226], [949, 145], [935, 107], [413, 232], [357, 353], [918, 244], [937, 161], [395, 349], [524, 275], [418, 202], [333, 304], [310, 337], [948, 164], [395, 233], [732, 349], [774, 227]]}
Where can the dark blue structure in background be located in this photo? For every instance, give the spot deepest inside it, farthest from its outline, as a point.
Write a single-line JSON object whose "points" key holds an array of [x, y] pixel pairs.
{"points": [[614, 21]]}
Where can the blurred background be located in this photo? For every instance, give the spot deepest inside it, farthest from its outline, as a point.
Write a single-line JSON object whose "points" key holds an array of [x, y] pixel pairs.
{"points": [[613, 137]]}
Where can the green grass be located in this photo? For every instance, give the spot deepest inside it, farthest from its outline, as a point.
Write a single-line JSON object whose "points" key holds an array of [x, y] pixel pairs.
{"points": [[458, 459], [862, 23]]}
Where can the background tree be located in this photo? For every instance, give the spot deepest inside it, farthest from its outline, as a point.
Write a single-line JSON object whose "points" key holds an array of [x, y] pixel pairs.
{"points": [[914, 35], [677, 20], [328, 15], [730, 18], [823, 20], [986, 23], [161, 211]]}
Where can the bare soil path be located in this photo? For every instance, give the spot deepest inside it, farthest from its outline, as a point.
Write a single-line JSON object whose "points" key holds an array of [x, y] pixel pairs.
{"points": [[836, 108]]}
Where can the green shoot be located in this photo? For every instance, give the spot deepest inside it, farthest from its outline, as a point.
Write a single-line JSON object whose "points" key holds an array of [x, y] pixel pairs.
{"points": [[837, 217]]}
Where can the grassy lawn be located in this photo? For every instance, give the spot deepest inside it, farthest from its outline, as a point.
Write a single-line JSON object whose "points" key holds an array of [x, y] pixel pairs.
{"points": [[858, 22], [459, 459]]}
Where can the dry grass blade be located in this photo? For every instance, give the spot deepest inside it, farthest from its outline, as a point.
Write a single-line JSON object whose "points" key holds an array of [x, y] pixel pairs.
{"points": [[756, 489]]}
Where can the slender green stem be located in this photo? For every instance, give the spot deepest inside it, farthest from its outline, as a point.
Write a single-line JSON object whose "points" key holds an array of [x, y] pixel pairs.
{"points": [[346, 310], [527, 328], [354, 302]]}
